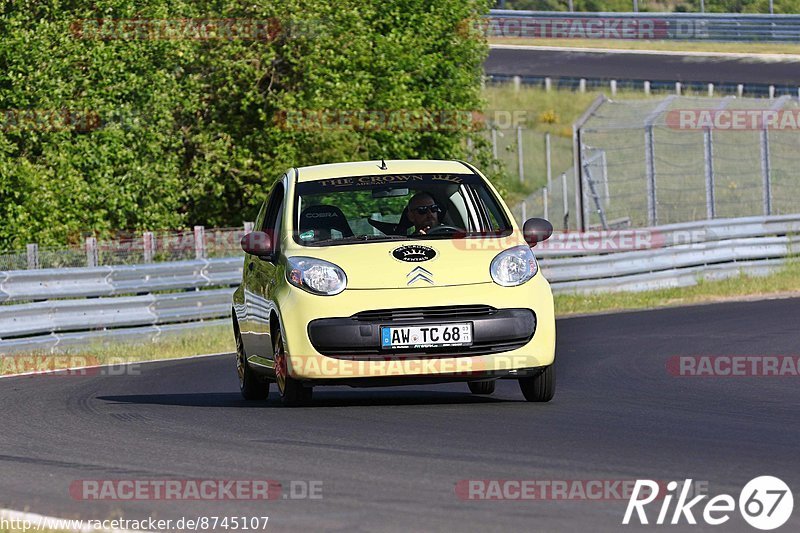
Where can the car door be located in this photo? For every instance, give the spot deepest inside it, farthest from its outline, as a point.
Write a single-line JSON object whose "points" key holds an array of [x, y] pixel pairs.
{"points": [[260, 276]]}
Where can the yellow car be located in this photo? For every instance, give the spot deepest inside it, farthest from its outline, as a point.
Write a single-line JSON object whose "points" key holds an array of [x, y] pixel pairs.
{"points": [[383, 273]]}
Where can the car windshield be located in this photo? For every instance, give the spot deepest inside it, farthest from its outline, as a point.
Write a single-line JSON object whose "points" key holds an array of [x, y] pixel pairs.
{"points": [[394, 207]]}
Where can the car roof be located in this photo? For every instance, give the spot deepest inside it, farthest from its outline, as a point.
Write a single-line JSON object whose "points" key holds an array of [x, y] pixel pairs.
{"points": [[370, 168]]}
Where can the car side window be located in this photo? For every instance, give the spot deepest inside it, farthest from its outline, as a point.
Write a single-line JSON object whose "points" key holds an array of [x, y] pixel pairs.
{"points": [[495, 217], [273, 215]]}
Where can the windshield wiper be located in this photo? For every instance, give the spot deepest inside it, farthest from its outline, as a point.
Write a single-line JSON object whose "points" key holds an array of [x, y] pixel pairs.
{"points": [[361, 238]]}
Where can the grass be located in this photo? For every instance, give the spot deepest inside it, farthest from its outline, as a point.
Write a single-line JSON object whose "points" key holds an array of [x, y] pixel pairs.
{"points": [[785, 281], [212, 339], [666, 46]]}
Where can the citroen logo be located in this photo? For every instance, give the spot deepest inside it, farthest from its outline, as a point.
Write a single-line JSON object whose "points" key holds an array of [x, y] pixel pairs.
{"points": [[419, 274]]}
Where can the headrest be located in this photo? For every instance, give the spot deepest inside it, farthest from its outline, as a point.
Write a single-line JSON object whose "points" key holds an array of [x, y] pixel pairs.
{"points": [[322, 219]]}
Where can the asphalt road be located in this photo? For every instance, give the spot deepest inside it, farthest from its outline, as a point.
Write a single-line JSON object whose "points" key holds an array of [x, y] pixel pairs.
{"points": [[389, 459], [652, 67]]}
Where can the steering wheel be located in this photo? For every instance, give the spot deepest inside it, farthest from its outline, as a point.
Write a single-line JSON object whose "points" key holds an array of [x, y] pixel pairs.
{"points": [[444, 229]]}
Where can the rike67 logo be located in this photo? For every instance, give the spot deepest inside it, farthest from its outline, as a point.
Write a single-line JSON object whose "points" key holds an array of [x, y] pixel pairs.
{"points": [[765, 503]]}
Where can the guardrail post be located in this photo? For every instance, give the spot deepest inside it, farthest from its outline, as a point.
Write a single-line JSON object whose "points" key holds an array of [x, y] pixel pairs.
{"points": [[148, 246], [678, 87], [520, 162], [710, 90], [199, 242], [740, 90], [604, 169], [548, 84], [582, 85], [708, 146], [650, 171], [33, 256], [544, 202], [766, 171], [647, 88], [517, 83], [771, 92], [566, 200], [613, 87], [91, 252]]}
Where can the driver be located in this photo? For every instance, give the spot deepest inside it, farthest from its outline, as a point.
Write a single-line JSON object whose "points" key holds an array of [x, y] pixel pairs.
{"points": [[423, 212]]}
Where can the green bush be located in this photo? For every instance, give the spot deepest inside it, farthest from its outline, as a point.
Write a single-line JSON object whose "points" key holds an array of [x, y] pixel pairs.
{"points": [[101, 134]]}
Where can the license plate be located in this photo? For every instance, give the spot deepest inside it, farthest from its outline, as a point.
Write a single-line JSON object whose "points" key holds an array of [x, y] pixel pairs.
{"points": [[430, 336]]}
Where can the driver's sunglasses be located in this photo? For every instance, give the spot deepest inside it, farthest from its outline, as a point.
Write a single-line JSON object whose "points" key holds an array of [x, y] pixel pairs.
{"points": [[423, 209]]}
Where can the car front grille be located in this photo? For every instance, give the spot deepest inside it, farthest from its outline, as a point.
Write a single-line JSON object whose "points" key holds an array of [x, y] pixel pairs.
{"points": [[448, 312]]}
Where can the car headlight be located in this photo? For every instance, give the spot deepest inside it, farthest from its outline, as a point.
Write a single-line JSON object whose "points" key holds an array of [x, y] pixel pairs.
{"points": [[514, 266], [316, 276]]}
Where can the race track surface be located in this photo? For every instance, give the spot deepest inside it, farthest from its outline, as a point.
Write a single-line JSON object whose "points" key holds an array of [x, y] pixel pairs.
{"points": [[389, 459], [628, 66]]}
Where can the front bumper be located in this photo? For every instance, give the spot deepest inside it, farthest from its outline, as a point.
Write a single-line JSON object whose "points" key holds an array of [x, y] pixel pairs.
{"points": [[325, 343], [358, 336]]}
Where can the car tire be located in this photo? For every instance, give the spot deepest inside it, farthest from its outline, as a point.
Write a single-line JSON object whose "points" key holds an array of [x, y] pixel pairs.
{"points": [[481, 387], [293, 393], [250, 385], [541, 387]]}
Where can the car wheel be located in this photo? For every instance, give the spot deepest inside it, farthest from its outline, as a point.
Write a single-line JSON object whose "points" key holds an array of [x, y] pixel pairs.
{"points": [[293, 393], [251, 387], [481, 387], [541, 387]]}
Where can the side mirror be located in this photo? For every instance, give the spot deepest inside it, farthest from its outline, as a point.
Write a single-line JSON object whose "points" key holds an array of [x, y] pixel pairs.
{"points": [[536, 230], [258, 243]]}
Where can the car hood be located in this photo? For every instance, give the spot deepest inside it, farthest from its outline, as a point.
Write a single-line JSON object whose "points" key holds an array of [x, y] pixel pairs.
{"points": [[414, 264]]}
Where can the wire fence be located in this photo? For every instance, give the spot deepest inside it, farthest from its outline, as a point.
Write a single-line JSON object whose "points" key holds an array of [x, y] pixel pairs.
{"points": [[130, 249], [678, 159]]}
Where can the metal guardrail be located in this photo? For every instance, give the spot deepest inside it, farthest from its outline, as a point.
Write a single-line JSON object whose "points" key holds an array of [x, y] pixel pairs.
{"points": [[679, 255], [676, 255], [56, 341], [571, 244], [48, 308], [649, 26], [100, 313], [20, 285], [672, 258]]}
